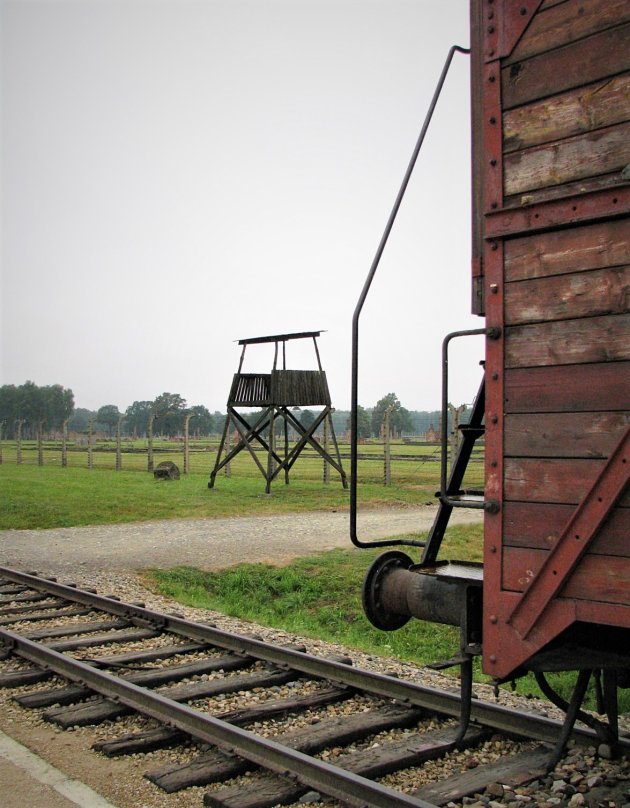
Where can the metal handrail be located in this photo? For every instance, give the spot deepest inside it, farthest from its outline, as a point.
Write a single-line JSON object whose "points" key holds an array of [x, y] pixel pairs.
{"points": [[357, 313], [444, 497]]}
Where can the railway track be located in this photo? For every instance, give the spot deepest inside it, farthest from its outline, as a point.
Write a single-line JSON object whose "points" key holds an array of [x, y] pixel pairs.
{"points": [[292, 722]]}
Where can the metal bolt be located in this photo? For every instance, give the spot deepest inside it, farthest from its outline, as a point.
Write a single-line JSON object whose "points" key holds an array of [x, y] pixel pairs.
{"points": [[494, 245], [493, 618], [494, 464], [494, 288], [494, 205], [493, 548], [493, 120], [495, 419], [492, 78], [491, 29], [523, 11], [493, 162], [495, 376], [493, 658]]}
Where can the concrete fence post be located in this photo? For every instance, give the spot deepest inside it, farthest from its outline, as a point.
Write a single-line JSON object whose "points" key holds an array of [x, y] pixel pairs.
{"points": [[119, 444], [64, 444]]}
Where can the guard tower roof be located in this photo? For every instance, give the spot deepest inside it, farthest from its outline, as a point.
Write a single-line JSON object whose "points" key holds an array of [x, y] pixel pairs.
{"points": [[280, 337]]}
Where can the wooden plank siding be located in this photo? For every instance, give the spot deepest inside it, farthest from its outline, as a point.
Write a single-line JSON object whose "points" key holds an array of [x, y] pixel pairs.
{"points": [[603, 151], [599, 387], [597, 577], [584, 109], [594, 246], [583, 294], [558, 379], [565, 23], [537, 525], [541, 479], [560, 434], [603, 54], [567, 342]]}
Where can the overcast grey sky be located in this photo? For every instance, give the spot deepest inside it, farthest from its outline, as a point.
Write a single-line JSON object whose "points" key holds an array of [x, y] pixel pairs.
{"points": [[179, 174]]}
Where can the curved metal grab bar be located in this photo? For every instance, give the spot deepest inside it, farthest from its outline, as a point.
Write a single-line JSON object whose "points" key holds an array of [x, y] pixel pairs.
{"points": [[357, 313]]}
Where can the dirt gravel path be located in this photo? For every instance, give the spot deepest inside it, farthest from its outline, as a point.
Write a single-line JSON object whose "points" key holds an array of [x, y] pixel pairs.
{"points": [[205, 543]]}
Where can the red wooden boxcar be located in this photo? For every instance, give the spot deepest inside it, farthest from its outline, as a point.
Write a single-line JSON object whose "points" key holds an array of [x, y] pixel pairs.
{"points": [[551, 151], [551, 275]]}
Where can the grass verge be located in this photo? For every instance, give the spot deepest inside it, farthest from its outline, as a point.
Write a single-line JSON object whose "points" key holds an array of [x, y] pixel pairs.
{"points": [[39, 497], [319, 596]]}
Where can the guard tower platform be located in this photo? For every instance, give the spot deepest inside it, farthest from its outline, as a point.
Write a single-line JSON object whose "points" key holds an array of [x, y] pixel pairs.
{"points": [[277, 394]]}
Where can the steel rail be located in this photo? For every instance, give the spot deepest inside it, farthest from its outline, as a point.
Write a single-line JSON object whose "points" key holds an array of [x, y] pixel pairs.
{"points": [[498, 717], [231, 739]]}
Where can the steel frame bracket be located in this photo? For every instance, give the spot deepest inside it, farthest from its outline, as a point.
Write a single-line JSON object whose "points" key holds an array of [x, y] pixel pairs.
{"points": [[503, 30]]}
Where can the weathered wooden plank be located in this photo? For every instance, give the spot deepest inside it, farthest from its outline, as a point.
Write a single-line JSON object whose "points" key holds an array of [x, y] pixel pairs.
{"points": [[553, 27], [26, 676], [601, 578], [545, 480], [565, 297], [551, 193], [214, 766], [568, 342], [577, 249], [603, 151], [267, 791], [25, 597], [36, 607], [148, 654], [568, 388], [536, 525], [584, 109], [75, 628], [515, 770], [574, 65], [70, 611], [161, 737], [94, 712], [110, 638], [158, 676], [563, 434]]}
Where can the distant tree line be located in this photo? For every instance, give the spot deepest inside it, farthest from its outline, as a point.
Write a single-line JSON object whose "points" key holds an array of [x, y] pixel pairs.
{"points": [[50, 406], [29, 408]]}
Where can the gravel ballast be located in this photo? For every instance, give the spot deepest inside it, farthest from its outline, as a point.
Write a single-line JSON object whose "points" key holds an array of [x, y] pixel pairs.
{"points": [[110, 558]]}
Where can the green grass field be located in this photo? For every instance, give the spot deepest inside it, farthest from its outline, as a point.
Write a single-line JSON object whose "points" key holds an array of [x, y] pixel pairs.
{"points": [[47, 496], [317, 596]]}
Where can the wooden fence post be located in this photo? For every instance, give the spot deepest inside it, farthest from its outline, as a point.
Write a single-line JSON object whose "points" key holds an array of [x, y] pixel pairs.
{"points": [[2, 423], [118, 444], [64, 444]]}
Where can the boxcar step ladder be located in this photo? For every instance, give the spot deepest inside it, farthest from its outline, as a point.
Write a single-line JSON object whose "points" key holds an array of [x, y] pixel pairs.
{"points": [[451, 494]]}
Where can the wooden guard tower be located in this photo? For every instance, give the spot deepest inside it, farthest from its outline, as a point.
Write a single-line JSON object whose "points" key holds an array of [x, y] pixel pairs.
{"points": [[276, 393]]}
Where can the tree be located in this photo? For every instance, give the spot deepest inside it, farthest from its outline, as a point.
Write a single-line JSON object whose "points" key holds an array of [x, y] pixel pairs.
{"points": [[48, 406], [137, 418], [203, 422], [80, 419], [168, 409], [108, 415], [399, 419], [364, 424], [306, 418]]}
